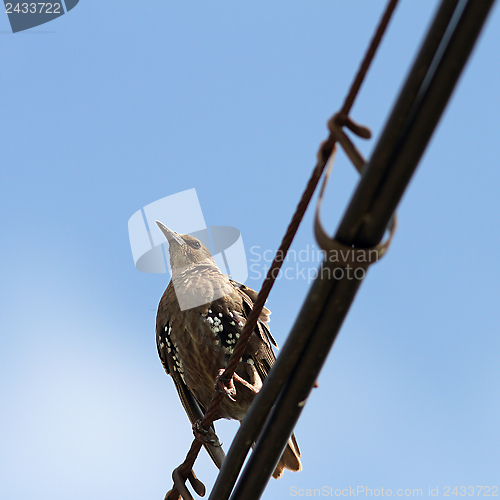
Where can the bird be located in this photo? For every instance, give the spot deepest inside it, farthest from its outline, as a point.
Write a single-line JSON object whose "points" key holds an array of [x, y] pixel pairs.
{"points": [[200, 317]]}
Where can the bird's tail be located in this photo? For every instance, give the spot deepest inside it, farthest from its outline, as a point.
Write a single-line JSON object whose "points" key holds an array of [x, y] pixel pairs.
{"points": [[290, 459]]}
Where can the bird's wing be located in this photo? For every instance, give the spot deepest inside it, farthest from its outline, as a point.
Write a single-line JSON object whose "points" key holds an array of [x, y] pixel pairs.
{"points": [[193, 408], [263, 354], [249, 297]]}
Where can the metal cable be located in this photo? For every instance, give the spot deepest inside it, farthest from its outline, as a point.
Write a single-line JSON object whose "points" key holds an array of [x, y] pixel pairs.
{"points": [[405, 137], [184, 470]]}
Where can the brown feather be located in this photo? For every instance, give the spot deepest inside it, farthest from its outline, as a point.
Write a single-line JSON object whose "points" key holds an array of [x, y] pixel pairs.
{"points": [[194, 344]]}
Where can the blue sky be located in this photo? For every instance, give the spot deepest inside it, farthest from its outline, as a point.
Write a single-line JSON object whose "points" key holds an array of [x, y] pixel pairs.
{"points": [[114, 106]]}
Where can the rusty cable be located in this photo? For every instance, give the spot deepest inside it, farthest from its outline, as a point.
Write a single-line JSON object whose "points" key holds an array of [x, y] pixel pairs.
{"points": [[184, 471]]}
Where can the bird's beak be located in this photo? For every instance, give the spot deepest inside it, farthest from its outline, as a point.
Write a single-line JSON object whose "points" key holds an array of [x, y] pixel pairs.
{"points": [[169, 234]]}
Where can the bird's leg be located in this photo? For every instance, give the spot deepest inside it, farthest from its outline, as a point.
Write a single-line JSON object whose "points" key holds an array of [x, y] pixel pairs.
{"points": [[202, 434], [248, 385], [225, 385]]}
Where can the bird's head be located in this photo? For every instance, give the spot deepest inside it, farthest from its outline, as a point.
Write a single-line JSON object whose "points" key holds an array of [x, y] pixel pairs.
{"points": [[185, 251]]}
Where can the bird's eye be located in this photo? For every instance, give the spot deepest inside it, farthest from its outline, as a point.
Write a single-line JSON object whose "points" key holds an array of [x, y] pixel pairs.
{"points": [[195, 244]]}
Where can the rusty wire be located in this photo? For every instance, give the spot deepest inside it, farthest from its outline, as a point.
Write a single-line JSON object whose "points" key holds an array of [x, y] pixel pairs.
{"points": [[184, 471], [412, 121]]}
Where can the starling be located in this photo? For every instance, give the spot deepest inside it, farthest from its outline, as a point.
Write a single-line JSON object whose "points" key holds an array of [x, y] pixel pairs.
{"points": [[200, 318]]}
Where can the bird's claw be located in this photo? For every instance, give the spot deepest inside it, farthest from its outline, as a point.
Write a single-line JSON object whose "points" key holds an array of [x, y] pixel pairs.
{"points": [[248, 385], [203, 435], [225, 385]]}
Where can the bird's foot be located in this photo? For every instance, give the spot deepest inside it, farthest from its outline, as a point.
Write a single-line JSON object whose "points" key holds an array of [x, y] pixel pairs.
{"points": [[225, 385], [201, 434], [248, 385]]}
